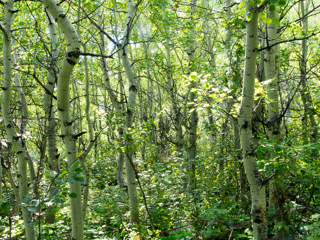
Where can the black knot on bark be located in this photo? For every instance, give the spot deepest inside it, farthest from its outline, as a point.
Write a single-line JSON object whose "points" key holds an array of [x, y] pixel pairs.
{"points": [[75, 53], [133, 88], [76, 136], [72, 57], [16, 138], [71, 62], [258, 214]]}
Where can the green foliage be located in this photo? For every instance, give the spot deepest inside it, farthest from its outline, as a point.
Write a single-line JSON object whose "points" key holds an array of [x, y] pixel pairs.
{"points": [[219, 201]]}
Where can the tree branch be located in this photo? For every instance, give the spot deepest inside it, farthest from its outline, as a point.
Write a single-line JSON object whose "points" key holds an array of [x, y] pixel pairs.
{"points": [[4, 31], [95, 55], [97, 26], [288, 40]]}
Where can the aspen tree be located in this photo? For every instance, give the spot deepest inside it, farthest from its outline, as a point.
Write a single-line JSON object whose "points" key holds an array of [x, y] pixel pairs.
{"points": [[111, 93], [258, 195], [63, 97], [194, 115], [133, 89], [150, 90], [89, 122], [208, 39], [273, 120], [170, 84], [309, 111], [234, 119], [49, 108], [14, 139]]}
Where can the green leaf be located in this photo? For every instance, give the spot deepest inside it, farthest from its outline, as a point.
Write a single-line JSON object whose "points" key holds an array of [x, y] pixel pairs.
{"points": [[73, 195], [75, 164], [5, 206], [57, 199], [281, 3], [70, 179], [87, 5], [272, 8], [262, 16], [241, 235], [79, 180], [268, 21], [303, 172], [193, 75], [32, 223], [78, 170], [58, 181], [31, 208], [242, 4], [276, 21], [26, 198], [273, 1]]}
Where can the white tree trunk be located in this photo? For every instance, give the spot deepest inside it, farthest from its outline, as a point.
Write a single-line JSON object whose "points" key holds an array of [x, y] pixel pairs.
{"points": [[14, 139], [258, 209], [63, 96], [305, 94], [49, 109], [133, 88]]}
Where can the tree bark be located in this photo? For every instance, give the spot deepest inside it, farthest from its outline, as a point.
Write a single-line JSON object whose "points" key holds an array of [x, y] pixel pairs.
{"points": [[48, 107], [193, 112], [258, 207], [133, 89], [63, 98], [14, 139], [309, 111]]}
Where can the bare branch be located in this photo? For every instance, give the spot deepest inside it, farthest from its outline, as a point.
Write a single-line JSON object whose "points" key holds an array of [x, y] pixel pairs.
{"points": [[289, 40], [95, 55], [4, 31]]}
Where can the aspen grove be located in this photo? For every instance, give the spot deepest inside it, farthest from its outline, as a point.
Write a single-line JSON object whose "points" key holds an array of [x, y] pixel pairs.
{"points": [[160, 119]]}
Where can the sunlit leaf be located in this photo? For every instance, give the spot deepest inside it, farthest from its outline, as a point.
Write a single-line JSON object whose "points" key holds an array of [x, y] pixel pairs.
{"points": [[268, 20], [242, 4], [276, 21]]}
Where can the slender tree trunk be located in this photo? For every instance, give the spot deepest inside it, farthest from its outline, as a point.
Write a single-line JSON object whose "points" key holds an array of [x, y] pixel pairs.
{"points": [[63, 98], [133, 89], [258, 208], [89, 122], [194, 114], [13, 139], [273, 120], [309, 111], [212, 65], [170, 84], [49, 110], [113, 97]]}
